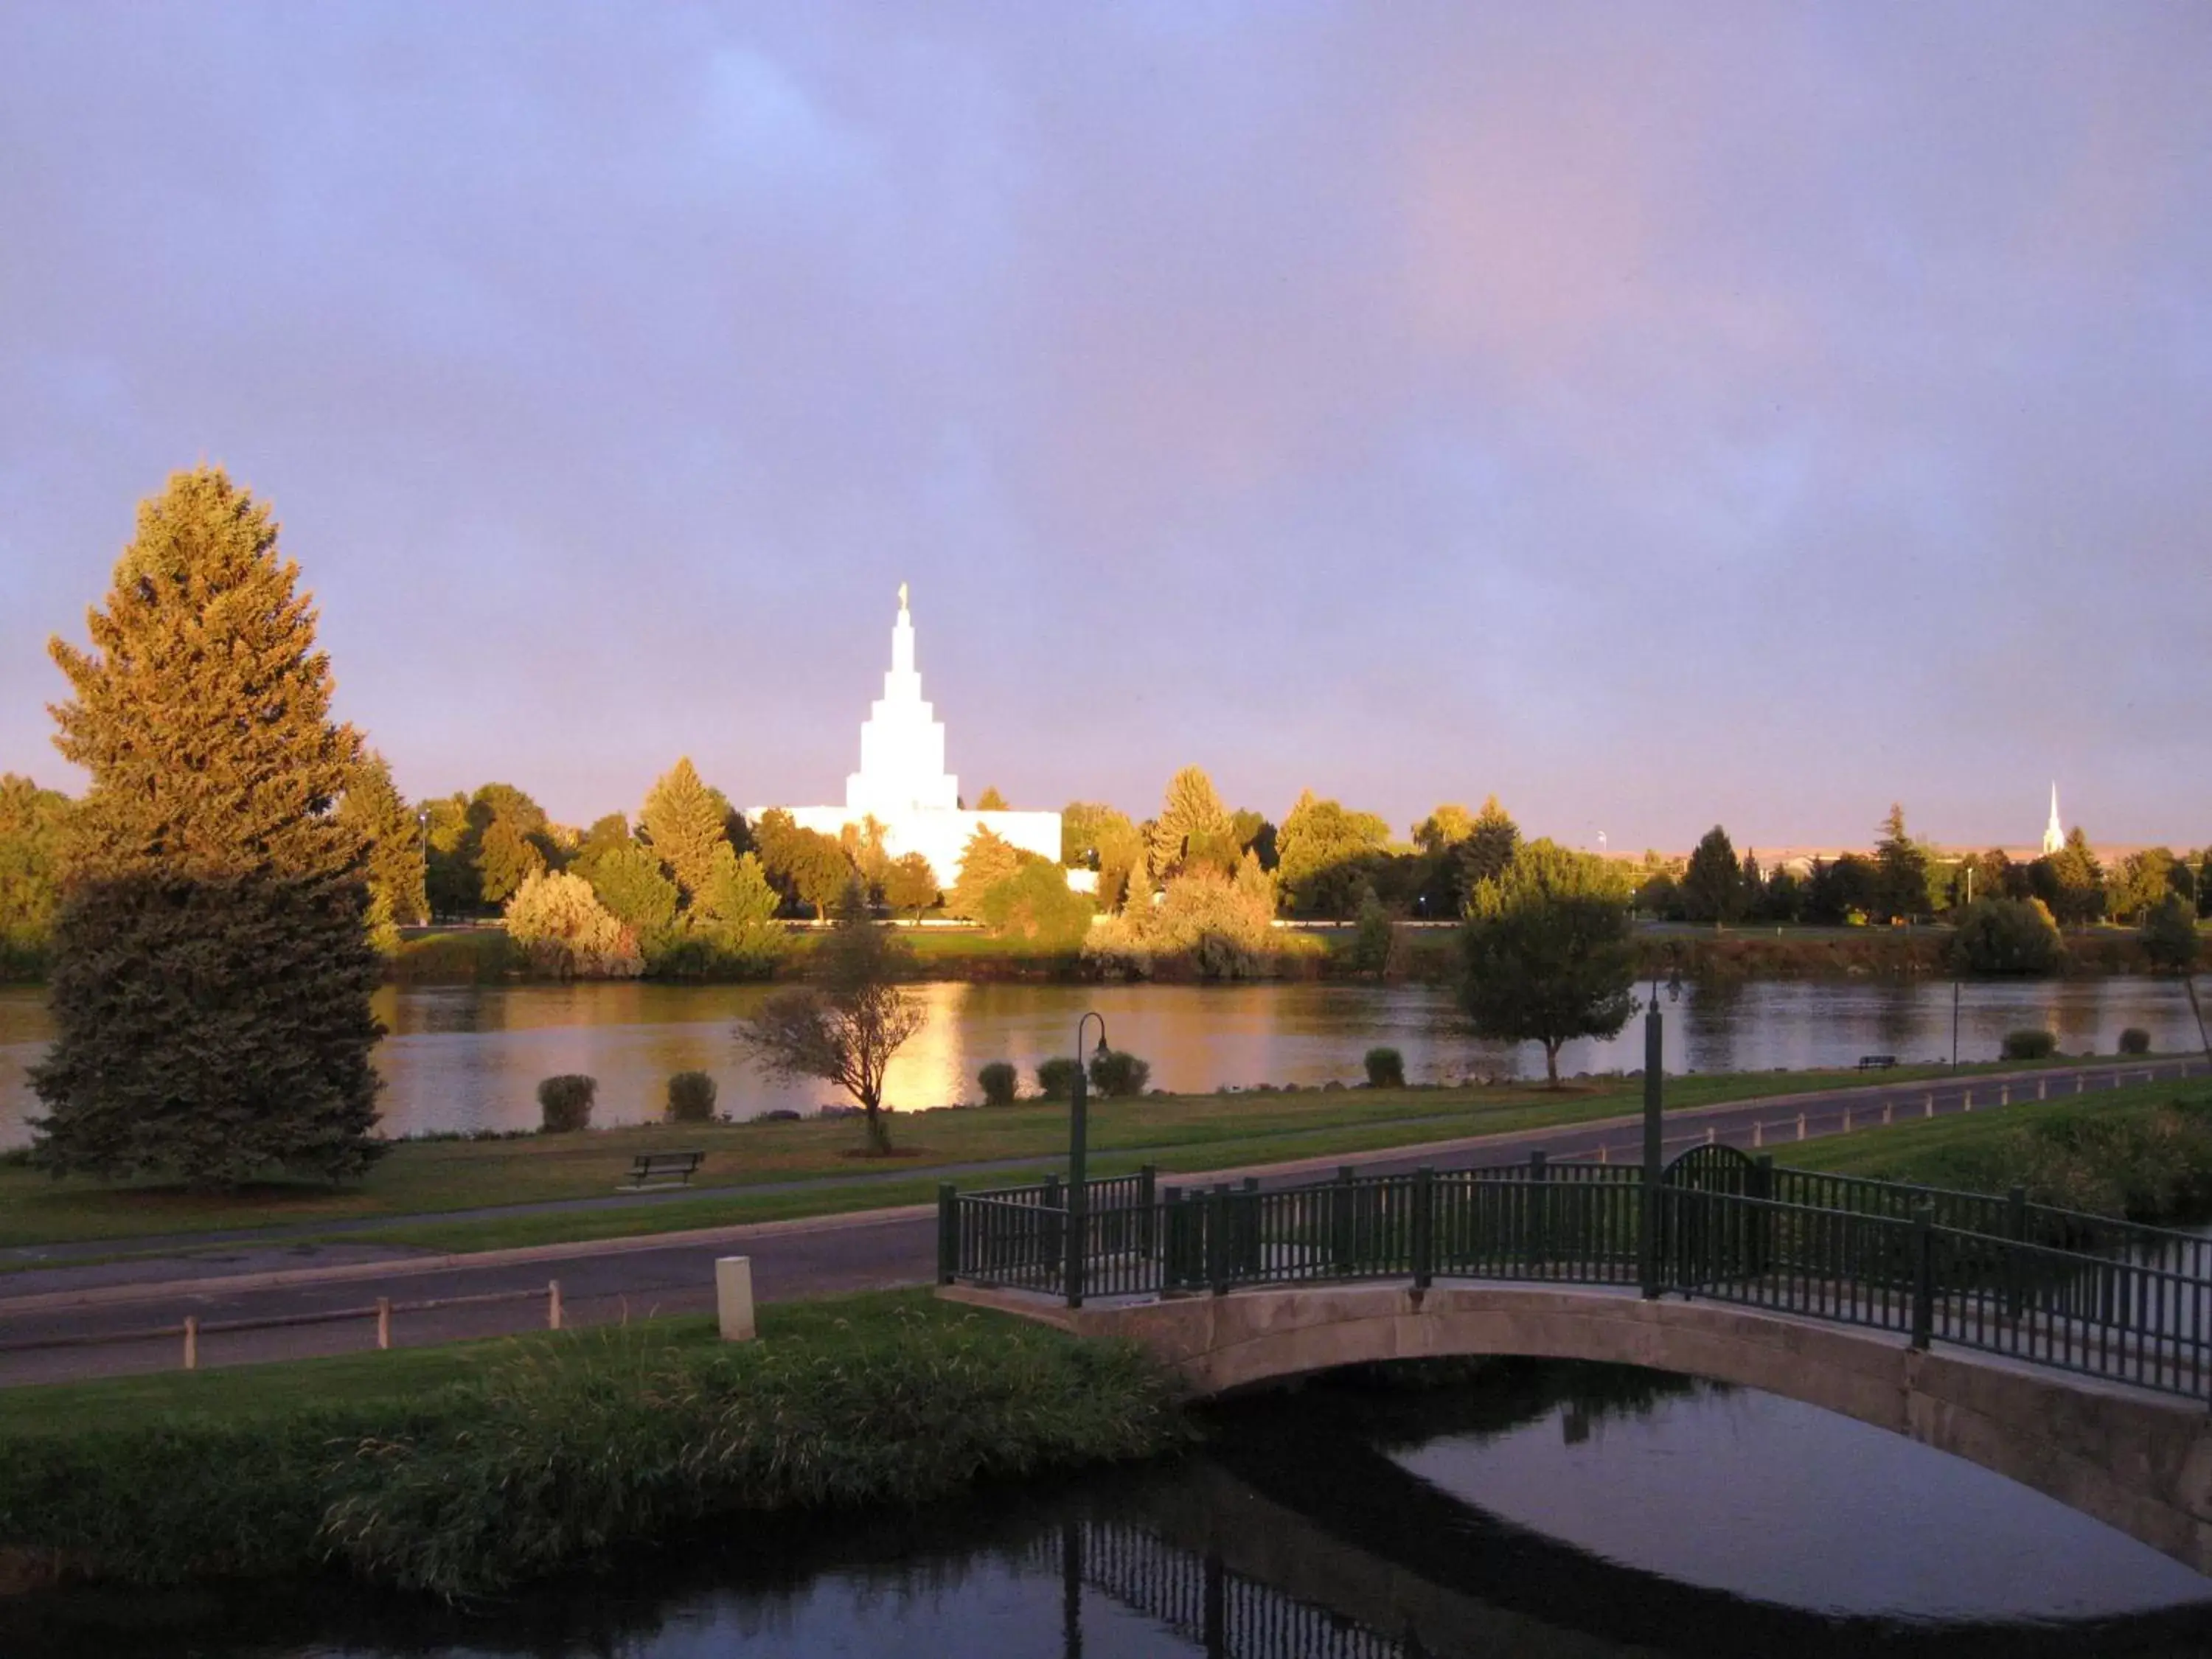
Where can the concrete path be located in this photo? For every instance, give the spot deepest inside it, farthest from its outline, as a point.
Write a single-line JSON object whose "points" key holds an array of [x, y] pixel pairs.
{"points": [[610, 1280]]}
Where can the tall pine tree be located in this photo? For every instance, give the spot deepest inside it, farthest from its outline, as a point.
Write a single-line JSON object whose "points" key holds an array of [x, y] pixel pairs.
{"points": [[682, 820], [212, 965], [397, 868]]}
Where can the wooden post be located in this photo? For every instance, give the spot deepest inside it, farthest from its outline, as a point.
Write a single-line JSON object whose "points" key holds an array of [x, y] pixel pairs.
{"points": [[2004, 1094], [191, 1342], [1967, 1101], [1847, 1119], [552, 1304], [1888, 1107], [383, 1322]]}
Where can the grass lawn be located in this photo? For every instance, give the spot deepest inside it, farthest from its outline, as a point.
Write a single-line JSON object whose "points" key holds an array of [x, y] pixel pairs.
{"points": [[233, 1394], [419, 1180]]}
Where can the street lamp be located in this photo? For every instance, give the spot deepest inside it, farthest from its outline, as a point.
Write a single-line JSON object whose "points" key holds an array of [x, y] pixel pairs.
{"points": [[1079, 1194]]}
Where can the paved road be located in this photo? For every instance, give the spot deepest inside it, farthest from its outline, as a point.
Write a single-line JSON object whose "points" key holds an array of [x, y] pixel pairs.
{"points": [[622, 1278]]}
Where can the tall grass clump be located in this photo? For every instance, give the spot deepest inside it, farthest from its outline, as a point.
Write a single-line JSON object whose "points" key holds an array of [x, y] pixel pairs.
{"points": [[604, 1440], [564, 1103], [2028, 1044], [1001, 1083], [691, 1098], [1386, 1069]]}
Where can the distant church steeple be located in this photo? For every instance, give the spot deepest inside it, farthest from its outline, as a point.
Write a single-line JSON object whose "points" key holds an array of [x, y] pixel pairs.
{"points": [[2054, 833]]}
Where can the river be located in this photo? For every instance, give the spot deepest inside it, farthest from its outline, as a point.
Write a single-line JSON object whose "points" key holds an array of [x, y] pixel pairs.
{"points": [[469, 1057], [1543, 1510]]}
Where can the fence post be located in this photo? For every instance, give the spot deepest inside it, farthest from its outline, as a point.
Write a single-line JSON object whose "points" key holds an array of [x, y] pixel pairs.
{"points": [[1343, 1241], [1923, 1273], [1539, 1209], [383, 1324], [1217, 1239], [1424, 1226], [948, 1233], [2016, 1231], [1249, 1249], [191, 1342], [552, 1304], [1148, 1198]]}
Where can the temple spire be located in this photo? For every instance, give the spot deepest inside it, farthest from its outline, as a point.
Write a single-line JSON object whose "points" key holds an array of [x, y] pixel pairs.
{"points": [[2054, 833]]}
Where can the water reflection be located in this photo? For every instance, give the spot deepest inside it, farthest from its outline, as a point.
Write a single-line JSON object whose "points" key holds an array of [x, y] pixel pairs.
{"points": [[469, 1057], [1542, 1511]]}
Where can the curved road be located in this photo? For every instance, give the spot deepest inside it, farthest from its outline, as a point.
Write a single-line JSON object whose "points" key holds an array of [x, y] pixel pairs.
{"points": [[65, 1324]]}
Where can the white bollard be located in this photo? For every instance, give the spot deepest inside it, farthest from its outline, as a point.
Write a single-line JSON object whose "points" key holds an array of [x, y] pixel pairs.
{"points": [[1847, 1119], [2004, 1094], [1758, 1136], [1712, 1134], [1888, 1107], [1930, 1112], [2043, 1088], [733, 1296], [1801, 1125], [1967, 1101]]}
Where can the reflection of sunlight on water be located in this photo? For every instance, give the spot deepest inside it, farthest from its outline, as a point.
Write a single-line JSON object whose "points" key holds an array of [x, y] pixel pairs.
{"points": [[470, 1057]]}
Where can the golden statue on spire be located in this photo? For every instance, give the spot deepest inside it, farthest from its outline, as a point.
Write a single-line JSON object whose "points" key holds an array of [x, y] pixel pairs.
{"points": [[901, 596]]}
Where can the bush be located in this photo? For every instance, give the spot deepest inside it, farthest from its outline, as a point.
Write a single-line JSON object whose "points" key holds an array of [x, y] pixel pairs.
{"points": [[565, 1103], [691, 1097], [1117, 1076], [1000, 1082], [2028, 1045], [2006, 936], [1386, 1069], [2135, 1040], [1057, 1077]]}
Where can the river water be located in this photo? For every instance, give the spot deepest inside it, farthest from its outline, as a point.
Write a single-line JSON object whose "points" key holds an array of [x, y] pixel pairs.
{"points": [[469, 1057], [1544, 1511]]}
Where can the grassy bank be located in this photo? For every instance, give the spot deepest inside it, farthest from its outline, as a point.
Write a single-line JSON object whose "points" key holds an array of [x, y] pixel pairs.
{"points": [[2143, 1152], [1179, 1133], [470, 1469]]}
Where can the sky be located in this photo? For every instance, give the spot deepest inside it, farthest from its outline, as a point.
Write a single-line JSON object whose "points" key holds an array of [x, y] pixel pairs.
{"points": [[1652, 414]]}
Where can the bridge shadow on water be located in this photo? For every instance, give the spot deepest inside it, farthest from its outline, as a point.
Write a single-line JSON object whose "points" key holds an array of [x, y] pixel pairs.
{"points": [[1294, 1534]]}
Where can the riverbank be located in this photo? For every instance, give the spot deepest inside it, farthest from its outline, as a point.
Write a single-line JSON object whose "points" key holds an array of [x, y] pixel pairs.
{"points": [[1420, 955], [2143, 1153], [468, 1469], [766, 1169]]}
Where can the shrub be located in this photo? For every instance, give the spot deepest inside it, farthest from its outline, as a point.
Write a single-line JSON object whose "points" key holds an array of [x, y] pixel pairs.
{"points": [[1386, 1069], [2028, 1045], [1116, 1075], [2006, 936], [2135, 1040], [691, 1098], [1000, 1081], [1057, 1077], [565, 1101]]}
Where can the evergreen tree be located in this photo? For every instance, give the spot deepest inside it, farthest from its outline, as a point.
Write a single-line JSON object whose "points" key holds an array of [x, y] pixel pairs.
{"points": [[1712, 886], [683, 822], [397, 890], [1901, 868], [735, 911], [627, 880], [506, 857], [2169, 935], [1490, 845], [992, 801], [1191, 812], [212, 967], [2071, 881], [451, 883]]}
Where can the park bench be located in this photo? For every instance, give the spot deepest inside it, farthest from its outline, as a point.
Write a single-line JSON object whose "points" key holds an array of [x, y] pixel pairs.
{"points": [[1876, 1062], [650, 1170]]}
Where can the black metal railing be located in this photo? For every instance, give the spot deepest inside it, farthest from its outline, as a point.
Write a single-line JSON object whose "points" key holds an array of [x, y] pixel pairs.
{"points": [[2085, 1293]]}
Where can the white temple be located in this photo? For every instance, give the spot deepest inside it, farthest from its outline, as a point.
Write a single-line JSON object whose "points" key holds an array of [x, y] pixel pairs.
{"points": [[2054, 834], [902, 783]]}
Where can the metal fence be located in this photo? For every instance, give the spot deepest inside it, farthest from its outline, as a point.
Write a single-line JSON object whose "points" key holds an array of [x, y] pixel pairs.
{"points": [[2084, 1293]]}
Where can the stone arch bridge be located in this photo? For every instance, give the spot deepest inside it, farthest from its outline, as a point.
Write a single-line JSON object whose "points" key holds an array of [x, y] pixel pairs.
{"points": [[2070, 1354]]}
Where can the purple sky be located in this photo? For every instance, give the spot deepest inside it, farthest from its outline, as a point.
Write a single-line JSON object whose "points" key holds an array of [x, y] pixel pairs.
{"points": [[1649, 414]]}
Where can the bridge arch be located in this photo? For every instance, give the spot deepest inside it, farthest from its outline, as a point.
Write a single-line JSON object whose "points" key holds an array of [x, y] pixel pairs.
{"points": [[2138, 1463]]}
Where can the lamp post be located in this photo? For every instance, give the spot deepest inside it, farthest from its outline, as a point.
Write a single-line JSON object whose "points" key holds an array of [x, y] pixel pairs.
{"points": [[1654, 1141], [1078, 1194], [423, 817]]}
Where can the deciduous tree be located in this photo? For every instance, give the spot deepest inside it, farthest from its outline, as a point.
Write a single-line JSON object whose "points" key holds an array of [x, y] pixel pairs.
{"points": [[1327, 854], [212, 967], [1545, 953], [845, 1028], [910, 885], [561, 926]]}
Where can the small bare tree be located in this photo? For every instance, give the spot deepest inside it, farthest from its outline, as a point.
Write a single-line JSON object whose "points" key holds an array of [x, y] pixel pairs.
{"points": [[845, 1026]]}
